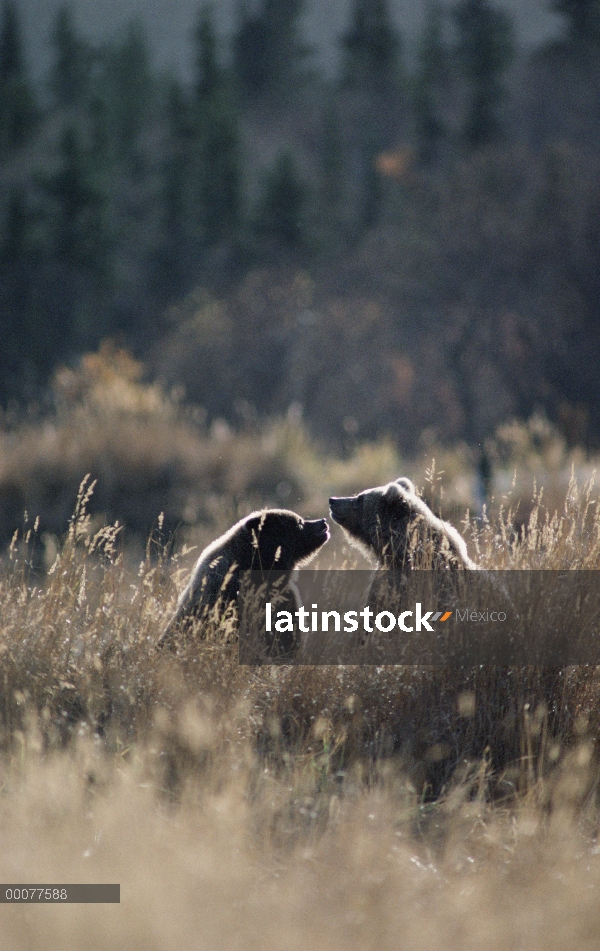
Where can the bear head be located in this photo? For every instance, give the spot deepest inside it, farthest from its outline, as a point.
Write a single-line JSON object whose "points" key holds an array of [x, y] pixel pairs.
{"points": [[392, 523], [280, 540]]}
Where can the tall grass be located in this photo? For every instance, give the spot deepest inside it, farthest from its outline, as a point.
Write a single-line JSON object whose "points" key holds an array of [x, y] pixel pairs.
{"points": [[287, 807], [275, 807]]}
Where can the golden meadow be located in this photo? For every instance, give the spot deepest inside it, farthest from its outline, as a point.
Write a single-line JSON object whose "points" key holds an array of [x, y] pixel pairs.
{"points": [[275, 807]]}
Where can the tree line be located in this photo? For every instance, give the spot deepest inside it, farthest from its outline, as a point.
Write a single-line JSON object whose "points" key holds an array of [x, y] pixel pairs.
{"points": [[122, 188]]}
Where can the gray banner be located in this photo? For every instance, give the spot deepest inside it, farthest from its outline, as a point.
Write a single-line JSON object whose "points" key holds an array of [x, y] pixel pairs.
{"points": [[57, 894], [450, 618]]}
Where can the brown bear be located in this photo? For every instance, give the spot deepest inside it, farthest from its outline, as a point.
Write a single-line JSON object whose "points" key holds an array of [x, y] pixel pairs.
{"points": [[392, 523], [273, 540]]}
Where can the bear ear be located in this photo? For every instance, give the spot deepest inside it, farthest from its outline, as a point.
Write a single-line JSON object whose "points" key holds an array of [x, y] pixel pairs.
{"points": [[392, 492], [406, 484]]}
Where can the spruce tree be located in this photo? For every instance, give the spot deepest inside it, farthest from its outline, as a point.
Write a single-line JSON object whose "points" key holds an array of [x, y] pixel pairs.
{"points": [[370, 78], [332, 173], [70, 73], [220, 168], [268, 52], [18, 110], [12, 65], [14, 287], [485, 50], [280, 211], [79, 242], [371, 48], [216, 140], [208, 72], [433, 75], [176, 248], [129, 88], [79, 219], [33, 339]]}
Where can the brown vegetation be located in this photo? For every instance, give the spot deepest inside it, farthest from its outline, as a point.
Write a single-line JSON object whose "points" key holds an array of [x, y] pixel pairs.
{"points": [[150, 452], [269, 807]]}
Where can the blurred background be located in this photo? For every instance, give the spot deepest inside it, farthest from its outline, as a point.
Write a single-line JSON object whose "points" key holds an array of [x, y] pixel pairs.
{"points": [[255, 252]]}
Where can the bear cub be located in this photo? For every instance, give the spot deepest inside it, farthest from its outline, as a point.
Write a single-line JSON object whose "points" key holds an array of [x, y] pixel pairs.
{"points": [[271, 540], [395, 525]]}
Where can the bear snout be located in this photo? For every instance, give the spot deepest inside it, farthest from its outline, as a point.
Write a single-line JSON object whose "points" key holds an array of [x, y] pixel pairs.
{"points": [[320, 527], [341, 509]]}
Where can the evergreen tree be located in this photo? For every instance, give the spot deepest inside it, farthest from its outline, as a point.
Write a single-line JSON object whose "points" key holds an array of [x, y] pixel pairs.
{"points": [[128, 88], [332, 171], [12, 64], [485, 50], [433, 75], [181, 187], [267, 50], [371, 48], [171, 259], [220, 168], [18, 111], [216, 145], [31, 340], [371, 77], [14, 293], [70, 74], [180, 116], [370, 190], [280, 212], [80, 243], [208, 72], [201, 187], [80, 209], [583, 19], [100, 130], [250, 53]]}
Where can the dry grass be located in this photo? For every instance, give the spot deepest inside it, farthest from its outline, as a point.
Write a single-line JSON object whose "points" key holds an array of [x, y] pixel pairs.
{"points": [[242, 862], [277, 807], [287, 807]]}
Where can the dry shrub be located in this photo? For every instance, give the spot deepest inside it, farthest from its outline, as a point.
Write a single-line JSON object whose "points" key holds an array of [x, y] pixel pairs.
{"points": [[150, 453], [147, 451]]}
